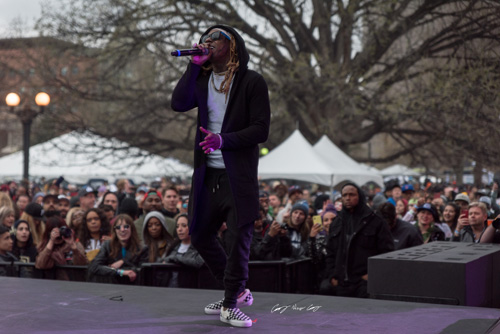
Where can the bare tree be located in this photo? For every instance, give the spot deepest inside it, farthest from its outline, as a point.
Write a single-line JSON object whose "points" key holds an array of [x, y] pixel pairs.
{"points": [[423, 72]]}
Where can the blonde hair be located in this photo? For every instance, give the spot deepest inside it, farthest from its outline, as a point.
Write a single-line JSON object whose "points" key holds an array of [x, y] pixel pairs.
{"points": [[480, 205], [5, 200], [5, 211], [232, 67], [36, 230], [69, 216]]}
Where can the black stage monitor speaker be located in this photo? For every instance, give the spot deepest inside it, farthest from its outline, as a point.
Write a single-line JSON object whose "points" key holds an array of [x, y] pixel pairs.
{"points": [[453, 273]]}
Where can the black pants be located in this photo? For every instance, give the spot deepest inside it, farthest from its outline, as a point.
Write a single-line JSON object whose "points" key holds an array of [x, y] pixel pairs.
{"points": [[217, 206]]}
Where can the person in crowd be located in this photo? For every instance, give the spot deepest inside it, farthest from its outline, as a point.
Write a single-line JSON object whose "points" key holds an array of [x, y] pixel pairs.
{"points": [[23, 247], [38, 198], [471, 227], [63, 206], [6, 244], [120, 258], [5, 200], [74, 219], [101, 191], [280, 190], [33, 215], [404, 234], [86, 196], [123, 189], [129, 207], [50, 203], [58, 247], [95, 229], [275, 245], [396, 194], [492, 232], [139, 195], [108, 211], [401, 208], [309, 219], [261, 225], [378, 200], [298, 229], [170, 201], [110, 198], [463, 201], [156, 237], [185, 205], [359, 232], [451, 212], [319, 232], [413, 204], [320, 202], [487, 201], [407, 191], [294, 195], [427, 219], [21, 202], [7, 216], [274, 204], [264, 203], [317, 241], [152, 202], [183, 251]]}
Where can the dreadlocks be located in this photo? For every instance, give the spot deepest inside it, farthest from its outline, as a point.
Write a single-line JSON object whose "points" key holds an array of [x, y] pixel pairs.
{"points": [[232, 68]]}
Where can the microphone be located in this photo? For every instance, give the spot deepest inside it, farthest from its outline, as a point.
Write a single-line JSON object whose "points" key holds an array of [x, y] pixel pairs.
{"points": [[190, 52]]}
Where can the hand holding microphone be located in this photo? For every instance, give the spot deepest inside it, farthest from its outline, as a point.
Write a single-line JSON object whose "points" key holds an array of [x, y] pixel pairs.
{"points": [[189, 52], [199, 53]]}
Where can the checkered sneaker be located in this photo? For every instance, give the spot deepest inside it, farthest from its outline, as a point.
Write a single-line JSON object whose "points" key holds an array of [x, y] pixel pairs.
{"points": [[235, 317], [246, 299]]}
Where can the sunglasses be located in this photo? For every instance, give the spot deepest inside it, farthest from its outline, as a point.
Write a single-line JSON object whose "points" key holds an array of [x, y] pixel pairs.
{"points": [[214, 36], [125, 227]]}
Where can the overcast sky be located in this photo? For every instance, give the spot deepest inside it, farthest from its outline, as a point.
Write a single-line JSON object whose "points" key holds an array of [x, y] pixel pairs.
{"points": [[26, 11]]}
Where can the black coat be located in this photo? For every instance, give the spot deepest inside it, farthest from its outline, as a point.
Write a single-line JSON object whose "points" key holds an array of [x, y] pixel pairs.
{"points": [[348, 260], [245, 125]]}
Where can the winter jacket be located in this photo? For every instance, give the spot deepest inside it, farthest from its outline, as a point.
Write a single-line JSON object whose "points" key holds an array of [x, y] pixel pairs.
{"points": [[190, 258], [100, 266], [347, 257]]}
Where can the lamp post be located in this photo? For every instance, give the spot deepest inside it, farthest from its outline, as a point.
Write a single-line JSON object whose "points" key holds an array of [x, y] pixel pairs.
{"points": [[27, 115]]}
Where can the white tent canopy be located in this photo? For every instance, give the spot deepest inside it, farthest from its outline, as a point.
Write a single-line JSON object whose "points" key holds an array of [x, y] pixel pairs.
{"points": [[344, 167], [81, 156], [398, 170], [295, 159], [324, 164]]}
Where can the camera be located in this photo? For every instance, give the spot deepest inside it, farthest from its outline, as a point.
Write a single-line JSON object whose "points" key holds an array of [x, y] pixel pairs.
{"points": [[284, 226], [496, 223], [65, 232]]}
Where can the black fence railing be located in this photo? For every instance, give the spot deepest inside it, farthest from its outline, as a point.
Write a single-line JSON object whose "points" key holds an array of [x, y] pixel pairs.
{"points": [[265, 276]]}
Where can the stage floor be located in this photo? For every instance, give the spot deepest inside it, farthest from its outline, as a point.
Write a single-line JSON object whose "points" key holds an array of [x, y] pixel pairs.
{"points": [[45, 306]]}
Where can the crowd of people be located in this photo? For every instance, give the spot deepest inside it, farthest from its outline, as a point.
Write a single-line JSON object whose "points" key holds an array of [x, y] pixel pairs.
{"points": [[116, 228]]}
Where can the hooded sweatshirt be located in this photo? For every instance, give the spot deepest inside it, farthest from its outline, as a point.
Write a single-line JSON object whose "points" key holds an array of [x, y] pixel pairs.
{"points": [[353, 238], [163, 246]]}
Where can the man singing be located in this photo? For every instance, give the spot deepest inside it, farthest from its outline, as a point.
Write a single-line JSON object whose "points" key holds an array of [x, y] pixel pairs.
{"points": [[233, 118]]}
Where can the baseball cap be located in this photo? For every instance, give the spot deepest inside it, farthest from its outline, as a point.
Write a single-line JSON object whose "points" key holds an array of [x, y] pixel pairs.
{"points": [[462, 197], [407, 187], [85, 190]]}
